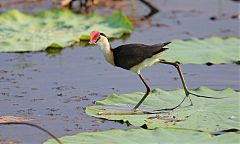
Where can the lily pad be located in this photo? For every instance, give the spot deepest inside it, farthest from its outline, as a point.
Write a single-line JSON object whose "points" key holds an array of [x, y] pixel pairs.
{"points": [[205, 115], [142, 136], [4, 119], [199, 51], [20, 32]]}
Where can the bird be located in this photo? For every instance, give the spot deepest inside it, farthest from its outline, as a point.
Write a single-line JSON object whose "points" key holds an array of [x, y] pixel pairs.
{"points": [[135, 57]]}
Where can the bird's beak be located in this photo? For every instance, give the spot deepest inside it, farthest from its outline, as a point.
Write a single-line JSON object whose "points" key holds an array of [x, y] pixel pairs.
{"points": [[92, 40]]}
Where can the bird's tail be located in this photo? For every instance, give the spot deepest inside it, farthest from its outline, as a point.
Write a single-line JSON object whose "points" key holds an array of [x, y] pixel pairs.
{"points": [[166, 43], [161, 45]]}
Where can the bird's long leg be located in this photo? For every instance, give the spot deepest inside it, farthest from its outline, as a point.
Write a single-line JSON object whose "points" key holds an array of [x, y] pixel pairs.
{"points": [[145, 95], [187, 92]]}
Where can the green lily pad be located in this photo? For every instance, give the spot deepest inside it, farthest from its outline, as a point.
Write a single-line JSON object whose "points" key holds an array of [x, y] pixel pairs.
{"points": [[20, 32], [142, 136], [206, 114], [199, 51]]}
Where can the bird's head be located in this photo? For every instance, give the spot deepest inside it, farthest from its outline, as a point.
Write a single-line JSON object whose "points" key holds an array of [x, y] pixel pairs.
{"points": [[97, 37]]}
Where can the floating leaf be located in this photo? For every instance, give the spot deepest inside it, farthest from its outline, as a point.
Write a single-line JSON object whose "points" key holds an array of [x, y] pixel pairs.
{"points": [[206, 114], [20, 32], [4, 119], [199, 51], [142, 136]]}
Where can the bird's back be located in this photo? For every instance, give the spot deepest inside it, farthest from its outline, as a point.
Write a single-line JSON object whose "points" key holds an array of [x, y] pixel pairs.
{"points": [[127, 56]]}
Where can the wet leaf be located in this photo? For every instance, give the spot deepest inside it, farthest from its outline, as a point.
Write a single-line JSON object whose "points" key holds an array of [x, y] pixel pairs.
{"points": [[200, 51], [14, 119], [142, 136], [20, 32], [206, 114]]}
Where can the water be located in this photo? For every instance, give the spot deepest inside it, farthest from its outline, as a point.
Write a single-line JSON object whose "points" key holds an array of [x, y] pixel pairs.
{"points": [[54, 90]]}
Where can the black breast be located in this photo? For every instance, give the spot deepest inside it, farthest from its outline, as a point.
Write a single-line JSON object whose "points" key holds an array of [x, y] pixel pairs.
{"points": [[127, 56]]}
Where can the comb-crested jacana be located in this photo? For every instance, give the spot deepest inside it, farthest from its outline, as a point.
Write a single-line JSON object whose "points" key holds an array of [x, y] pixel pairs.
{"points": [[135, 57]]}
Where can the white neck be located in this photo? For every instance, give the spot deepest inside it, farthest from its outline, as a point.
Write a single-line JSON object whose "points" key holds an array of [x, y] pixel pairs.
{"points": [[106, 48]]}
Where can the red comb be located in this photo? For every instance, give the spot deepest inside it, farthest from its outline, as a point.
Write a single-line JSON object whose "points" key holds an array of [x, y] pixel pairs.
{"points": [[93, 36]]}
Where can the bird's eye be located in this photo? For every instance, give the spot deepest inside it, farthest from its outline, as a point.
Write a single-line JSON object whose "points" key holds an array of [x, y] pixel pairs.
{"points": [[97, 39]]}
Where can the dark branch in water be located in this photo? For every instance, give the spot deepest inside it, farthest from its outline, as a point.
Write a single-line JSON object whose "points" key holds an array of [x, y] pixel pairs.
{"points": [[79, 6], [153, 10], [32, 125]]}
